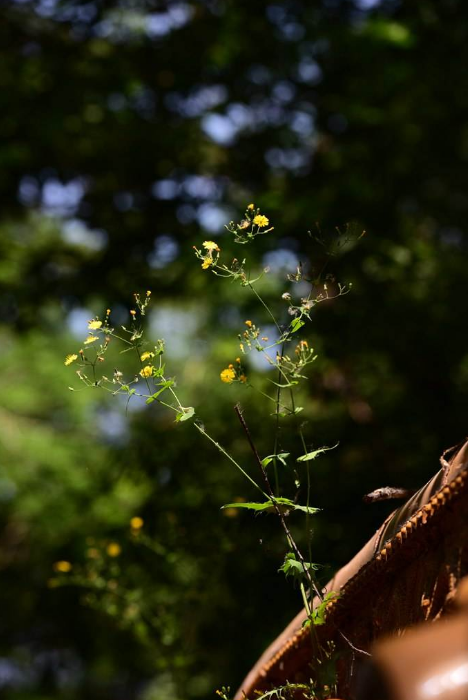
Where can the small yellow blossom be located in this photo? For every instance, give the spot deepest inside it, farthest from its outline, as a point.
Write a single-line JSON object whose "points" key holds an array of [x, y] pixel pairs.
{"points": [[94, 325], [238, 359], [265, 338], [133, 312], [231, 366], [62, 566], [148, 293], [251, 206], [69, 359], [261, 220], [248, 324], [211, 246], [245, 223], [108, 312], [241, 346], [227, 376], [147, 371], [136, 523], [91, 339], [146, 356], [207, 262], [113, 549]]}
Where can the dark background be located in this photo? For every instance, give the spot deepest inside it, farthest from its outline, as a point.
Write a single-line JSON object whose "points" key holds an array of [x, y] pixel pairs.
{"points": [[132, 131]]}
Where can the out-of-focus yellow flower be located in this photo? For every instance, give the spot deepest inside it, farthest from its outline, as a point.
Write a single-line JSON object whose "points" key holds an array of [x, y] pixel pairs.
{"points": [[133, 312], [148, 293], [94, 325], [146, 356], [227, 376], [251, 206], [91, 339], [113, 549], [207, 262], [248, 324], [62, 566], [211, 246], [69, 359], [136, 523], [147, 371], [261, 221]]}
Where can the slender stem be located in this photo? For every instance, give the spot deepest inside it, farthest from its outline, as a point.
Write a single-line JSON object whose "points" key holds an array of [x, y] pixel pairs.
{"points": [[231, 459], [271, 496], [304, 599], [265, 306]]}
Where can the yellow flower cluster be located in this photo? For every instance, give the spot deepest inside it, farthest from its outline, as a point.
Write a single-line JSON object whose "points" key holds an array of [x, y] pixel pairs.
{"points": [[228, 375], [113, 549], [63, 567], [261, 221], [147, 371], [91, 339], [69, 359], [94, 325], [136, 523], [146, 356], [232, 374], [212, 249]]}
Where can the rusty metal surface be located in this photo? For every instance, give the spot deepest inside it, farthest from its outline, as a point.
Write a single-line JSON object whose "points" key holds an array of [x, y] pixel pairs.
{"points": [[406, 573]]}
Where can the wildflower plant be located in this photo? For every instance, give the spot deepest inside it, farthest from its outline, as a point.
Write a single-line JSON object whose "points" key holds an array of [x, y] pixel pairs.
{"points": [[288, 355]]}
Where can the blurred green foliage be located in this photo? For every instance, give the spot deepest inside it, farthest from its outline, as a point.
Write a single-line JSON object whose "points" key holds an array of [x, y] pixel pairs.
{"points": [[131, 131]]}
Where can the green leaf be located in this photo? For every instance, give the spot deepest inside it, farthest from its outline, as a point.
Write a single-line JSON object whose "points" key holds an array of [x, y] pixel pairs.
{"points": [[306, 509], [315, 453], [318, 615], [164, 386], [284, 504], [281, 457], [185, 414], [293, 567], [296, 324]]}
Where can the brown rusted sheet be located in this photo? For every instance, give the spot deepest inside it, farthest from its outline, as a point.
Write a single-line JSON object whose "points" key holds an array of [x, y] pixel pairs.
{"points": [[406, 573]]}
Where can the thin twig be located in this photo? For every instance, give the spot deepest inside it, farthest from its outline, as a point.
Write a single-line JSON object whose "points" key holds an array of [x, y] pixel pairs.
{"points": [[271, 495]]}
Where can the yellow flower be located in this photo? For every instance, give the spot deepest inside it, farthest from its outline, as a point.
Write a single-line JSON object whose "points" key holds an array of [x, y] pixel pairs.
{"points": [[94, 325], [146, 356], [148, 293], [207, 262], [62, 566], [261, 220], [147, 371], [91, 339], [210, 246], [238, 359], [113, 549], [227, 376], [251, 206], [69, 359], [133, 312], [136, 523], [248, 324]]}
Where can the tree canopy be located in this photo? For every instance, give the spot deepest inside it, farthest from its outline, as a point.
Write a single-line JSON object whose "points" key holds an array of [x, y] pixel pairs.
{"points": [[132, 131]]}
